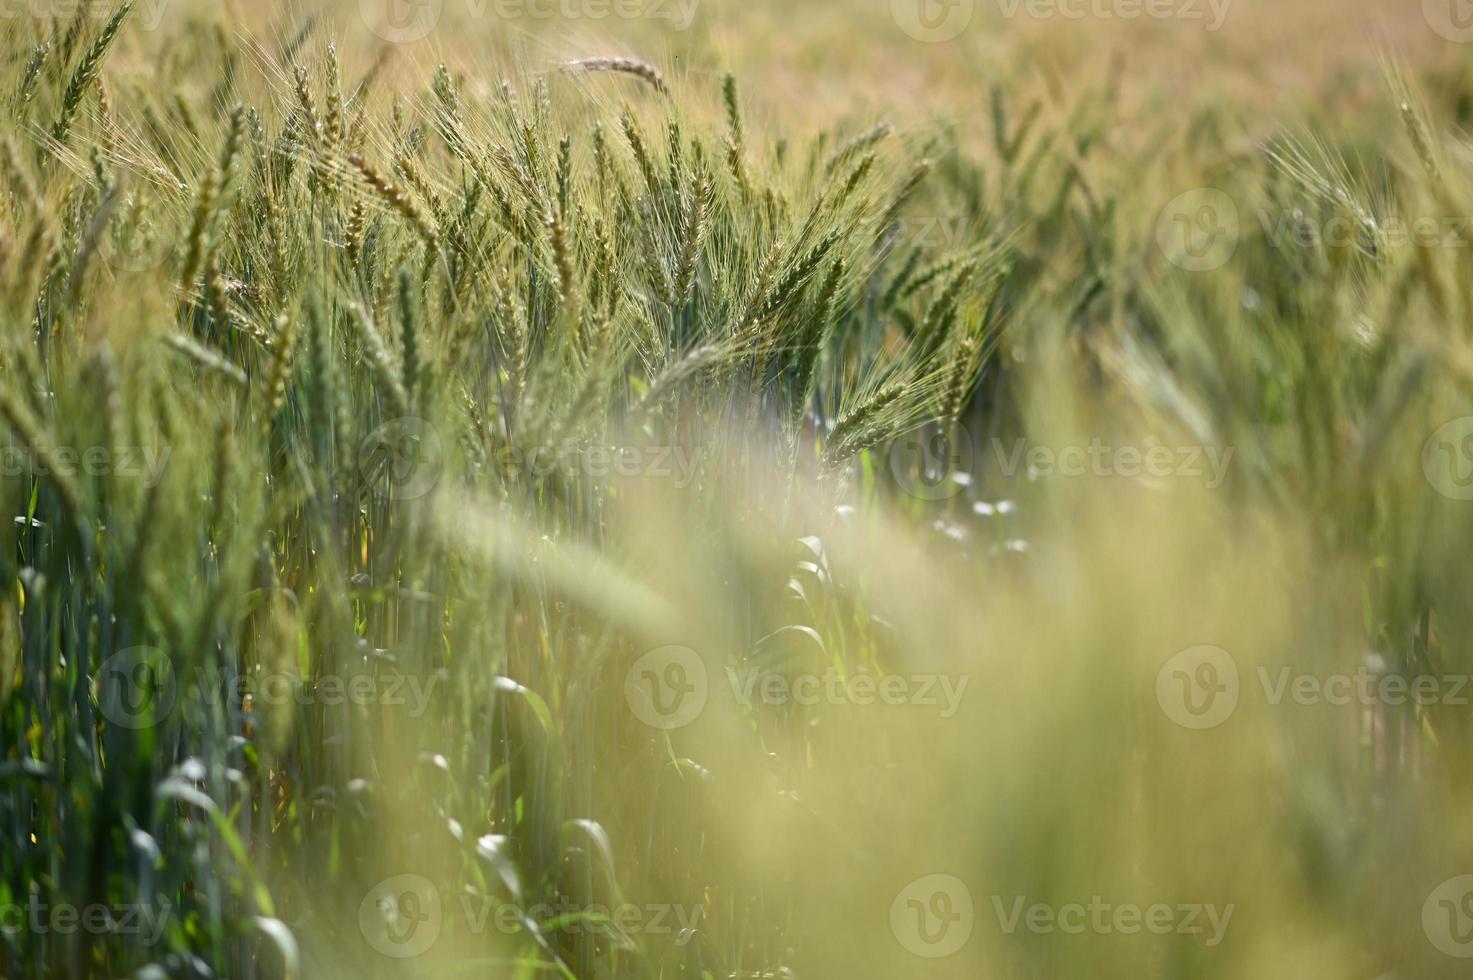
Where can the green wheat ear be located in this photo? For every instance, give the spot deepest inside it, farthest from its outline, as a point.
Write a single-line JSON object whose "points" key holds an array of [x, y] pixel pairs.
{"points": [[863, 426], [282, 364], [40, 54], [201, 242], [385, 371], [963, 376], [733, 110], [208, 359], [86, 72], [395, 197], [691, 238]]}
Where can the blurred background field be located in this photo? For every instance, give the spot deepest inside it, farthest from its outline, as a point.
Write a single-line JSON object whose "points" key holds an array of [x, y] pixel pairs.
{"points": [[739, 490]]}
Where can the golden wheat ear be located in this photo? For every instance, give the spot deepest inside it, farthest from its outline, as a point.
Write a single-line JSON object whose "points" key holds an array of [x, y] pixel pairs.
{"points": [[642, 70]]}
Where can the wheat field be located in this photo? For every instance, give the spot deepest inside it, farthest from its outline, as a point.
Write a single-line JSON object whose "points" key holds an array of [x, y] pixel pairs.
{"points": [[715, 490]]}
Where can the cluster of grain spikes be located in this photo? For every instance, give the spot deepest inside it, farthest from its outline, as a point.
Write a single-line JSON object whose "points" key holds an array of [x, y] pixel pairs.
{"points": [[397, 200], [682, 283]]}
